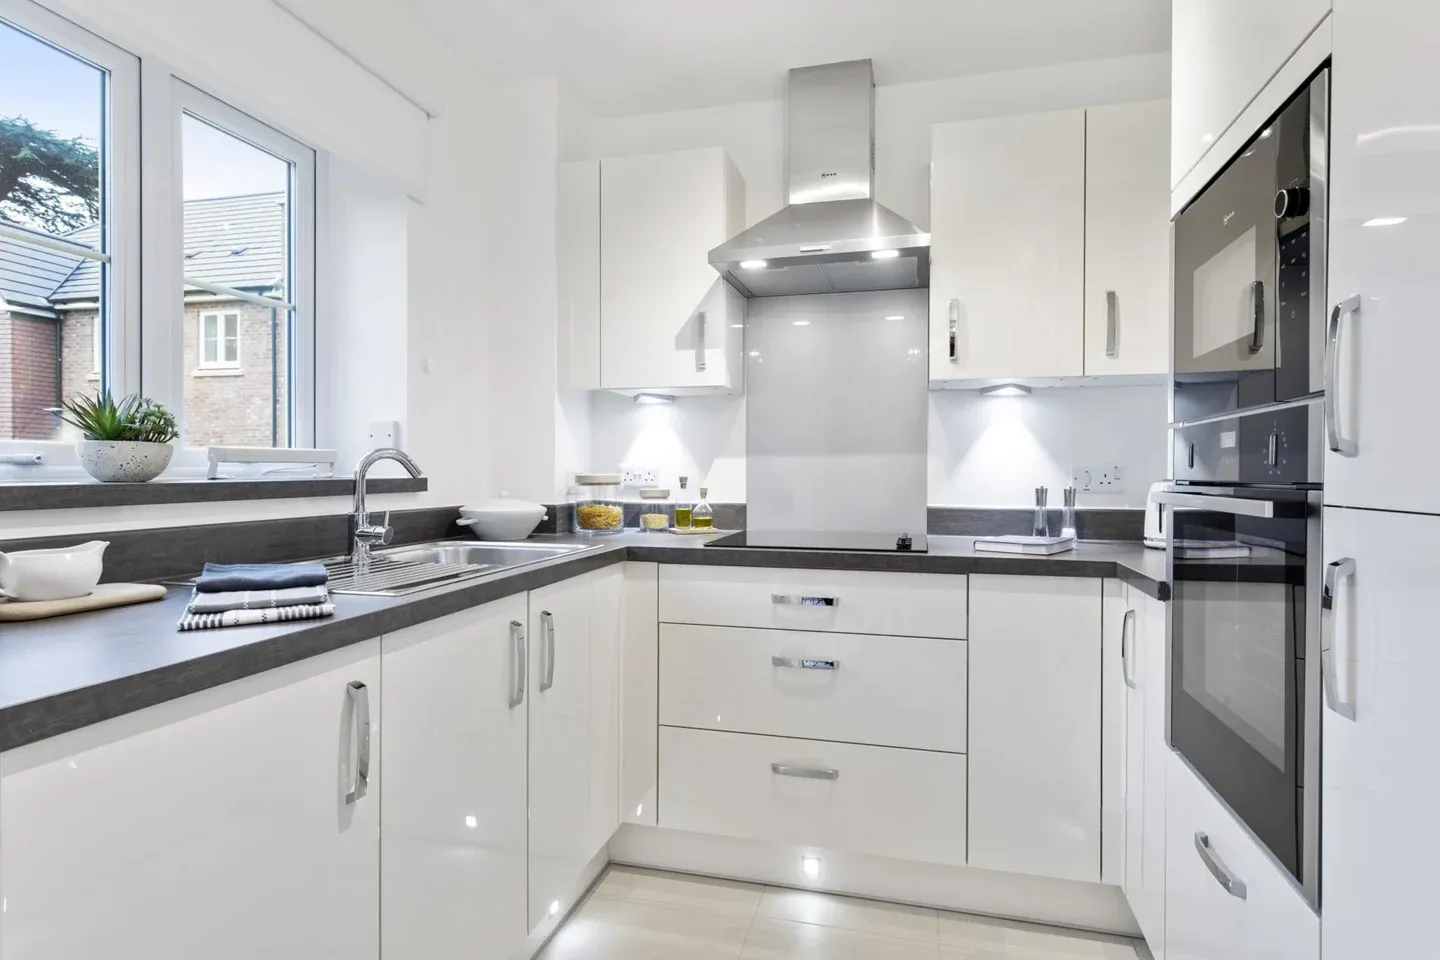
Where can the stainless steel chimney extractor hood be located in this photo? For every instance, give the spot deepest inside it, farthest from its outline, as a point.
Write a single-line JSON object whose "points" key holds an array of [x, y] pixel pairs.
{"points": [[832, 237]]}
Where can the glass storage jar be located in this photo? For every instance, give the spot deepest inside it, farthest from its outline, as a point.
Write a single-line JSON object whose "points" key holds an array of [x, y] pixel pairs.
{"points": [[656, 511], [596, 507]]}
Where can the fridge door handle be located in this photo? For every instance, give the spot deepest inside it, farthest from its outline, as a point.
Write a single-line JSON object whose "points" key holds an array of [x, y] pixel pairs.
{"points": [[1335, 571], [1337, 441]]}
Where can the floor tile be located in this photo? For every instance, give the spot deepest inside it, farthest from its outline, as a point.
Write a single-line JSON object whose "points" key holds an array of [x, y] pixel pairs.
{"points": [[850, 913], [728, 897], [963, 936], [611, 929], [788, 940]]}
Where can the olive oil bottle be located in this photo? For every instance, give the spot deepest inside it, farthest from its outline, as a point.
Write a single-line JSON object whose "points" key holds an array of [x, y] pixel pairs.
{"points": [[704, 514], [683, 508]]}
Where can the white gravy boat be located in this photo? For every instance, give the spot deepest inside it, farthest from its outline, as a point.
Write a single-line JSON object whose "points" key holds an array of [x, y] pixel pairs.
{"points": [[57, 574]]}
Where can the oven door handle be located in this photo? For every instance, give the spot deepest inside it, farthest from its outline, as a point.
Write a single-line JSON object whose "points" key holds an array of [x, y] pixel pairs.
{"points": [[1335, 571], [1240, 506]]}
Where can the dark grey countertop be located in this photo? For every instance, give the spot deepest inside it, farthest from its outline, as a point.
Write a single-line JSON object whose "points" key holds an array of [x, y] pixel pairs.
{"points": [[69, 672]]}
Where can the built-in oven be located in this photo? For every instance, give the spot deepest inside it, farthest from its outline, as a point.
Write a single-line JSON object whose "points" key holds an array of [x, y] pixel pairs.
{"points": [[1243, 548], [1249, 269]]}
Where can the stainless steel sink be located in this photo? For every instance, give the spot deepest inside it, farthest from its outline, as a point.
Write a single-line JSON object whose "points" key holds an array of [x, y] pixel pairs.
{"points": [[482, 554]]}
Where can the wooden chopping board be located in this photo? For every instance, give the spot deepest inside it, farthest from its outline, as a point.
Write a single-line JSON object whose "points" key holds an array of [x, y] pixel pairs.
{"points": [[105, 595]]}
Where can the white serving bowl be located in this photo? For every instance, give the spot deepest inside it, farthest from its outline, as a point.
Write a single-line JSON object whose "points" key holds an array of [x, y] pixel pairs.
{"points": [[58, 574], [503, 519]]}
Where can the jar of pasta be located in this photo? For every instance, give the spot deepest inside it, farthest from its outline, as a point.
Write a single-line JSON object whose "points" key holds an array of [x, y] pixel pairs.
{"points": [[595, 503], [656, 510]]}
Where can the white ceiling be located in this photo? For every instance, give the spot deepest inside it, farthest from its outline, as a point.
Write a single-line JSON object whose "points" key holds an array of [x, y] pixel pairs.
{"points": [[623, 57]]}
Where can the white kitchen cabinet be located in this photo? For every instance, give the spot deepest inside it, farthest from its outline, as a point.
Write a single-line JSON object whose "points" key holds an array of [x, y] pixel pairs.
{"points": [[906, 804], [1380, 789], [1035, 759], [559, 695], [1261, 917], [577, 264], [667, 320], [216, 825], [1127, 239], [1223, 52], [1382, 159], [1115, 800], [607, 597], [453, 838], [1007, 248], [639, 692]]}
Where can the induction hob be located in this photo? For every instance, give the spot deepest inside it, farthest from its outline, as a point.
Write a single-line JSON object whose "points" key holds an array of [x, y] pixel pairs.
{"points": [[812, 540]]}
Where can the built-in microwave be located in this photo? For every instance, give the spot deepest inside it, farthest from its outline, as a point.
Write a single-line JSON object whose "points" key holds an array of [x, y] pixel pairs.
{"points": [[1249, 268]]}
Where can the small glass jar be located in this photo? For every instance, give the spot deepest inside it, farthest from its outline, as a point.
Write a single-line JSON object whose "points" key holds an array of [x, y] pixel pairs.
{"points": [[595, 504], [657, 512]]}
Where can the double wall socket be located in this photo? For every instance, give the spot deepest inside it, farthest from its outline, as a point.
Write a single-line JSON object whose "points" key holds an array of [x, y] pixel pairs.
{"points": [[1104, 478], [639, 476]]}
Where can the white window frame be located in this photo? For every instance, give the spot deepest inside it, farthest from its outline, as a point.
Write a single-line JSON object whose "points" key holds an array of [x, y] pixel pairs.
{"points": [[219, 363], [119, 342]]}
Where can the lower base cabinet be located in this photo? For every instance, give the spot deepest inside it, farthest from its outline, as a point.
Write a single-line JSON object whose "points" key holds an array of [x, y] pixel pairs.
{"points": [[232, 823], [1260, 917], [453, 845]]}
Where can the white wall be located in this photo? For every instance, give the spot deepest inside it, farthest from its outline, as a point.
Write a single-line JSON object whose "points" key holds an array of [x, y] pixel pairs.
{"points": [[982, 452]]}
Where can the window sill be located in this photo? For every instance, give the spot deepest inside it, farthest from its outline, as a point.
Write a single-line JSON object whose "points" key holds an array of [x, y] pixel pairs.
{"points": [[217, 372], [42, 495]]}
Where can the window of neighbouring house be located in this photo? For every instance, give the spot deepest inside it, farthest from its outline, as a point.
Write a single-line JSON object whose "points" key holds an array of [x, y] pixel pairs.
{"points": [[219, 340], [247, 265], [68, 136]]}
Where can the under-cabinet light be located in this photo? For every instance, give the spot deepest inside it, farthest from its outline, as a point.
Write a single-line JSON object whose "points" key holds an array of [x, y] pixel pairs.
{"points": [[753, 264], [654, 398], [1005, 390], [884, 254], [1384, 221], [810, 867]]}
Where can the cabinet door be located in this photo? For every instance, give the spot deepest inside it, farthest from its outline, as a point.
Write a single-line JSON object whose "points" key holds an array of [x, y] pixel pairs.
{"points": [[1121, 618], [665, 314], [639, 693], [607, 601], [1380, 786], [559, 695], [1127, 239], [1223, 52], [1384, 237], [1035, 725], [1007, 247], [1148, 648], [577, 267], [453, 838], [215, 825]]}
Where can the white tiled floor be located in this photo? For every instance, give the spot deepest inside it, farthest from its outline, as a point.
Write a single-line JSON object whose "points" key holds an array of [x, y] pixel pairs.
{"points": [[648, 915]]}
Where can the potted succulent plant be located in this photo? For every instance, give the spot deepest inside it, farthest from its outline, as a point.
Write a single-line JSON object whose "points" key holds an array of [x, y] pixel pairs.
{"points": [[125, 442]]}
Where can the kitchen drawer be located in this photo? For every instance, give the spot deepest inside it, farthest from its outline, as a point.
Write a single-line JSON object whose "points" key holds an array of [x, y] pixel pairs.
{"points": [[887, 691], [1202, 920], [832, 601], [908, 804]]}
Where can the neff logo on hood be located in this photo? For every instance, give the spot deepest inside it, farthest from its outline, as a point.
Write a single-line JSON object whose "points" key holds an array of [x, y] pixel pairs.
{"points": [[832, 173]]}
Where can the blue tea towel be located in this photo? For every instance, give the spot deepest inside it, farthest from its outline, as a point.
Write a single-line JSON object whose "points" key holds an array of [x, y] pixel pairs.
{"points": [[223, 577]]}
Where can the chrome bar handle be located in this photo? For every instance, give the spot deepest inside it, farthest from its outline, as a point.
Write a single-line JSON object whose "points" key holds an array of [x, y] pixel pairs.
{"points": [[1233, 885], [1240, 506], [795, 600], [1337, 442], [1335, 571], [805, 664], [700, 342], [1257, 298], [520, 667], [954, 330], [1112, 324], [1127, 630], [805, 773], [547, 624], [359, 696]]}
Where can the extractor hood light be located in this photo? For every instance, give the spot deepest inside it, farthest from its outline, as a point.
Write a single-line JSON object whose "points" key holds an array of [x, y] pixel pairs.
{"points": [[654, 398], [884, 254], [1005, 390], [753, 264], [1384, 222]]}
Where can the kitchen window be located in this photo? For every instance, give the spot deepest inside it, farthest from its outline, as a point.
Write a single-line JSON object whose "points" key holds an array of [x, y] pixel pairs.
{"points": [[219, 340]]}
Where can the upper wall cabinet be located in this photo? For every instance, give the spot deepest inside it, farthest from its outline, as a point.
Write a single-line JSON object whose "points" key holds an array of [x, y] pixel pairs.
{"points": [[1007, 247], [1127, 239], [1049, 249], [640, 307], [1223, 52]]}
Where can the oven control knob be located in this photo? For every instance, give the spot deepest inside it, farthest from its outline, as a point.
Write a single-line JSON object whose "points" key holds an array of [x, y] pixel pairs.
{"points": [[1292, 202]]}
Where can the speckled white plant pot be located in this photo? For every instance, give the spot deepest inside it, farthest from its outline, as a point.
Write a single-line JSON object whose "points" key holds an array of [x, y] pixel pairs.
{"points": [[123, 461]]}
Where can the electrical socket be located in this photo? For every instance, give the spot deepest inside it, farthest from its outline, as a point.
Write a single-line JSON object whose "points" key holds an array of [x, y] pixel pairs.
{"points": [[1102, 478], [639, 476]]}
